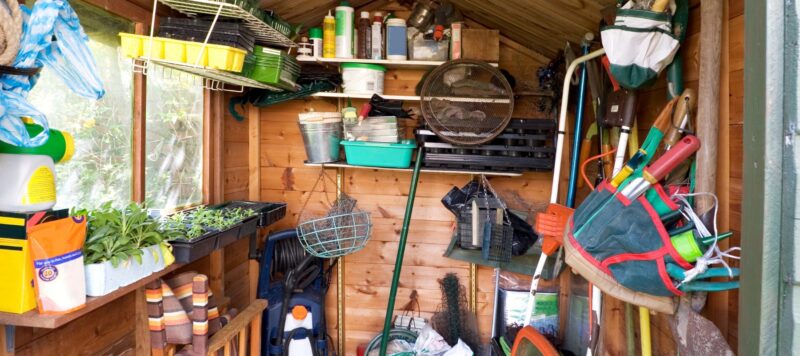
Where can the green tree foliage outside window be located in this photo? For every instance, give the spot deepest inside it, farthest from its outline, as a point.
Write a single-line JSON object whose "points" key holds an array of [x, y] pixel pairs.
{"points": [[100, 170], [174, 161]]}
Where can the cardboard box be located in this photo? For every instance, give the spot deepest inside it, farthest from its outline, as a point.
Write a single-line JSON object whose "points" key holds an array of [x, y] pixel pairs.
{"points": [[480, 44]]}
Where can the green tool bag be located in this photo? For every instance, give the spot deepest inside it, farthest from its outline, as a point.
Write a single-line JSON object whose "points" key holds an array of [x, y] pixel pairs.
{"points": [[622, 247], [639, 45]]}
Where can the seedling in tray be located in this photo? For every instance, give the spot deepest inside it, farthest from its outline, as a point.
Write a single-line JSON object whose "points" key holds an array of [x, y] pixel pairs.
{"points": [[196, 223]]}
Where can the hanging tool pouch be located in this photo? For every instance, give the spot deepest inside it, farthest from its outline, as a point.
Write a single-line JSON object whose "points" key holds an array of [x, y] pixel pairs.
{"points": [[622, 247], [639, 45]]}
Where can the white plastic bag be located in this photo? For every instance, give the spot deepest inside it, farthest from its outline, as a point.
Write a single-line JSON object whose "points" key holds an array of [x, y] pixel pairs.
{"points": [[461, 349], [430, 343]]}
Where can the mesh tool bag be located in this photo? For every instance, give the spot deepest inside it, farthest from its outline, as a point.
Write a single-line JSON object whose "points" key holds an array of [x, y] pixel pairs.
{"points": [[622, 247]]}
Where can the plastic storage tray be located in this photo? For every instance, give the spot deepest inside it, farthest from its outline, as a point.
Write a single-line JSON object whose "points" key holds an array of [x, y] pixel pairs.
{"points": [[213, 56], [525, 145], [378, 154], [268, 213], [225, 33]]}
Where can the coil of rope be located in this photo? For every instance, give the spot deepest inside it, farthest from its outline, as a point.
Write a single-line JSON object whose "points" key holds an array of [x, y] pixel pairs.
{"points": [[10, 31]]}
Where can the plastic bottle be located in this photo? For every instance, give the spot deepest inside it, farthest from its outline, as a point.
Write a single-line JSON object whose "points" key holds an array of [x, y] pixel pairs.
{"points": [[315, 35], [396, 42], [59, 146], [364, 36], [344, 30], [28, 183], [329, 36], [377, 36]]}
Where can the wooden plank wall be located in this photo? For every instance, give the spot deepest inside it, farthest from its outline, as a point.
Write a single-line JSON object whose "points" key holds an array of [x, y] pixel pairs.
{"points": [[367, 273]]}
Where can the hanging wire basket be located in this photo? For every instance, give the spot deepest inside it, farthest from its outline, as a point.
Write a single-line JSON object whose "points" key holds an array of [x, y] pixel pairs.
{"points": [[342, 231]]}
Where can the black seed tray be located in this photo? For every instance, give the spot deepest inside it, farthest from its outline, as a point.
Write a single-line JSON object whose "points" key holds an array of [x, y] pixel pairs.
{"points": [[190, 251], [525, 145], [268, 213]]}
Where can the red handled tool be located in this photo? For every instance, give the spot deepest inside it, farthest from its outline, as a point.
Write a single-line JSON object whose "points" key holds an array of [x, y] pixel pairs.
{"points": [[686, 147]]}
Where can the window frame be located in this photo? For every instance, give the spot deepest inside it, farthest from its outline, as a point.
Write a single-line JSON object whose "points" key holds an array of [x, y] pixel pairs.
{"points": [[212, 182]]}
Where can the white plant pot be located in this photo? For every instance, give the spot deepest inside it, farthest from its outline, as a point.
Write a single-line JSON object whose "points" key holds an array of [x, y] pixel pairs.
{"points": [[104, 278]]}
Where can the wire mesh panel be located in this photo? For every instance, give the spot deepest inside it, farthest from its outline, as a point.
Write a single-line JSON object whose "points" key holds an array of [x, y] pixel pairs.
{"points": [[466, 102]]}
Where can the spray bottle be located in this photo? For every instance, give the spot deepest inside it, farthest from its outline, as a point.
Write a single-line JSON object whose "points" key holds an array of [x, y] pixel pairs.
{"points": [[329, 36], [28, 173], [344, 30]]}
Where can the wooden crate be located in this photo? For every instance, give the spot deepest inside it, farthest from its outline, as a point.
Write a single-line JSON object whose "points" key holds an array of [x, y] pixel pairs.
{"points": [[480, 44]]}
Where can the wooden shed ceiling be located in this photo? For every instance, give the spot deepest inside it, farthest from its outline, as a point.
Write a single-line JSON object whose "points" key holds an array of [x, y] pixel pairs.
{"points": [[541, 25]]}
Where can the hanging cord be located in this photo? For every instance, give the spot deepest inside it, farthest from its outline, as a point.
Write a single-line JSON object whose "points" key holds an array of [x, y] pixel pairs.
{"points": [[593, 158], [484, 184], [713, 255], [10, 31], [321, 178]]}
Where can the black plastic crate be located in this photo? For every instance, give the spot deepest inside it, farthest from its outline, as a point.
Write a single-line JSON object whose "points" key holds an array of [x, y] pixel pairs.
{"points": [[525, 145], [225, 33]]}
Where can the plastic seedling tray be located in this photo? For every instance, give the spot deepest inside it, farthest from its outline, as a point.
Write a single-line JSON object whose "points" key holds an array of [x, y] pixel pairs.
{"points": [[249, 227], [189, 251], [228, 236], [268, 213]]}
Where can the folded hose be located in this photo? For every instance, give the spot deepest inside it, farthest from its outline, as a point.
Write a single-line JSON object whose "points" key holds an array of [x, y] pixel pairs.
{"points": [[10, 31]]}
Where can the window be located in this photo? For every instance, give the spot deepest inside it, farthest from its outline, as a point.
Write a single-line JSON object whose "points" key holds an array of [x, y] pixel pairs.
{"points": [[174, 150], [100, 170]]}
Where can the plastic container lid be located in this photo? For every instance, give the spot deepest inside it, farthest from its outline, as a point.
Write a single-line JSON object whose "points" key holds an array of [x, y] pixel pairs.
{"points": [[364, 66], [396, 22], [315, 32], [344, 3], [365, 14]]}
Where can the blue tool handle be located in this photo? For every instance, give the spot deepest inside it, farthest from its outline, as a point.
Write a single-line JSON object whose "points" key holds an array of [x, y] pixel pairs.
{"points": [[576, 141], [709, 286], [677, 272]]}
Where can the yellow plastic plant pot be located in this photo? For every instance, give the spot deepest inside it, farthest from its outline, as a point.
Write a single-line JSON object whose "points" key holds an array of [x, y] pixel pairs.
{"points": [[225, 58], [131, 45], [174, 50]]}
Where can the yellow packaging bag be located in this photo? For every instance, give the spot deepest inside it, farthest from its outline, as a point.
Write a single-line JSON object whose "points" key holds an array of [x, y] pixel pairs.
{"points": [[56, 249]]}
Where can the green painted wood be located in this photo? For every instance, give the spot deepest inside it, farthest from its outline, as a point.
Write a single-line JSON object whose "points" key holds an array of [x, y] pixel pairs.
{"points": [[763, 171]]}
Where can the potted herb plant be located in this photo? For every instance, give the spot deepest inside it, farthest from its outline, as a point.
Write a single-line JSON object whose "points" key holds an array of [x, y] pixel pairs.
{"points": [[123, 246]]}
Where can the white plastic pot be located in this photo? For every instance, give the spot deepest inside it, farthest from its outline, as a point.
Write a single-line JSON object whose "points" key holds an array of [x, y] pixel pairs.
{"points": [[104, 278], [362, 78]]}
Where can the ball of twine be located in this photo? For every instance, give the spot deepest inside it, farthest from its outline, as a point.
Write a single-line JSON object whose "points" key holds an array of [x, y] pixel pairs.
{"points": [[10, 31]]}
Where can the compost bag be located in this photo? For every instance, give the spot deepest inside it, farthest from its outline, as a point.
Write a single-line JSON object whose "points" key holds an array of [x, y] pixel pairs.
{"points": [[456, 200], [639, 45], [56, 250], [622, 247]]}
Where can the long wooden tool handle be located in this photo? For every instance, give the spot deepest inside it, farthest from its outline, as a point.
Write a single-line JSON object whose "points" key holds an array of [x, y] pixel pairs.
{"points": [[660, 168]]}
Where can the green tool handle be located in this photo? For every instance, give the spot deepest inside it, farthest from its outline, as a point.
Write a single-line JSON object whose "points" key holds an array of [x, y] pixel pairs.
{"points": [[401, 250]]}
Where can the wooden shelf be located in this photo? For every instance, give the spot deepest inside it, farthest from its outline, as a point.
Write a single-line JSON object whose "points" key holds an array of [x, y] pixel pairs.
{"points": [[423, 170], [35, 320], [408, 64], [405, 97], [384, 62], [261, 30]]}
